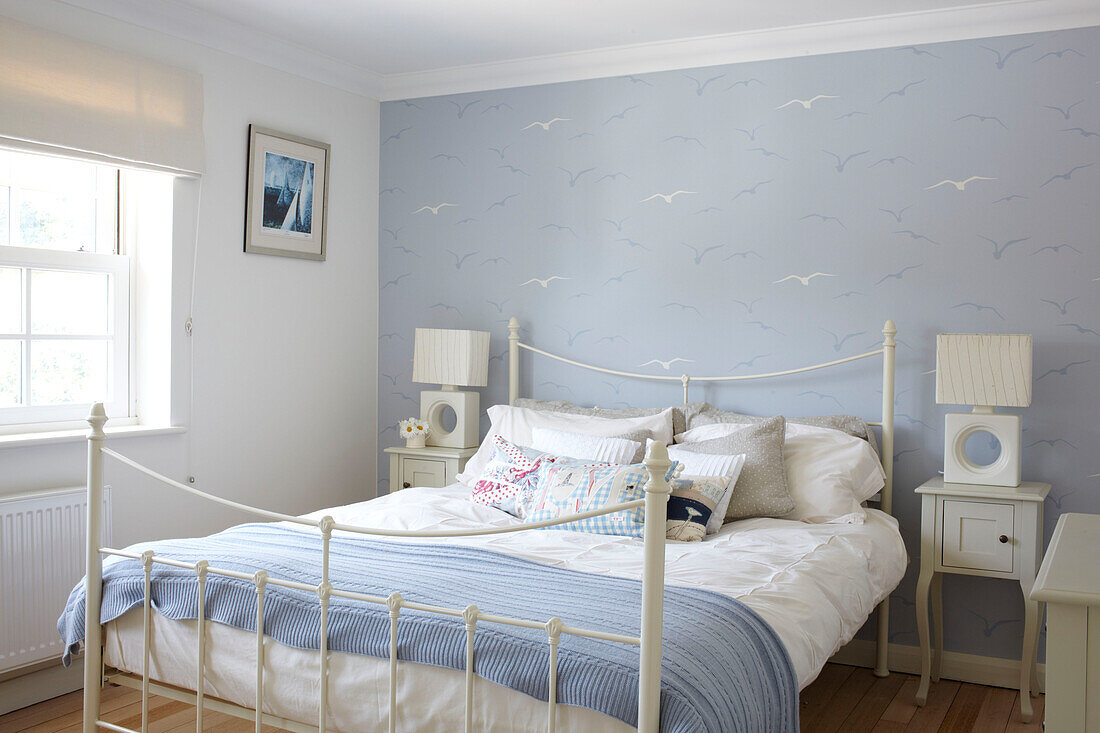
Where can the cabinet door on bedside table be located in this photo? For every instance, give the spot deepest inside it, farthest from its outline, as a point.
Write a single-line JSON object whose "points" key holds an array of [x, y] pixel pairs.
{"points": [[978, 535], [424, 472]]}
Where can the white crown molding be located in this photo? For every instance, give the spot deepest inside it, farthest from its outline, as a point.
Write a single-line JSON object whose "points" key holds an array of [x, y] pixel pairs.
{"points": [[1002, 18], [1009, 17], [220, 34]]}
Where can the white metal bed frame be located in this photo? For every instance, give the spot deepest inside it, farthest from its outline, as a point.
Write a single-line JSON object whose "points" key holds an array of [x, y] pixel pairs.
{"points": [[656, 496]]}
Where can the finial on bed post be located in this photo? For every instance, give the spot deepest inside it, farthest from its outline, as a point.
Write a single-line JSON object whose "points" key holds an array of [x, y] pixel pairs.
{"points": [[513, 360], [889, 344], [657, 491], [93, 582]]}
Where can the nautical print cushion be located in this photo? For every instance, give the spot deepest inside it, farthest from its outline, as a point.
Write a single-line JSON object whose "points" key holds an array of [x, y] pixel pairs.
{"points": [[508, 472], [559, 490], [693, 502]]}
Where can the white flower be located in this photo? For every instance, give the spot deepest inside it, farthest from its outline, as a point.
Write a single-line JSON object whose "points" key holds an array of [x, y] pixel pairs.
{"points": [[414, 426]]}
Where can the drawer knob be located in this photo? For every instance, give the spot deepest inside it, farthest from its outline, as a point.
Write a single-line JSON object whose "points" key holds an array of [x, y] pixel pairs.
{"points": [[407, 485], [1003, 539]]}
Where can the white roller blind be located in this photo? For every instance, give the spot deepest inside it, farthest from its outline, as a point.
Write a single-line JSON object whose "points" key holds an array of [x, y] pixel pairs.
{"points": [[69, 95]]}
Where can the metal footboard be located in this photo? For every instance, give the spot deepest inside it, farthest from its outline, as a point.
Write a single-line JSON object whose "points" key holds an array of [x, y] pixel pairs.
{"points": [[656, 496]]}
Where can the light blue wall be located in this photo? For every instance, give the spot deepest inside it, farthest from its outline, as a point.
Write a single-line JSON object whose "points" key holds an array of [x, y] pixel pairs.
{"points": [[701, 278]]}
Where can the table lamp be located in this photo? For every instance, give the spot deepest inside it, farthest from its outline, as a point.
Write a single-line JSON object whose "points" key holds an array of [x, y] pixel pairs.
{"points": [[985, 371], [451, 358]]}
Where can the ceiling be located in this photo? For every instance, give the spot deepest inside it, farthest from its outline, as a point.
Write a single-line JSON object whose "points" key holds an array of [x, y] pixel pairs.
{"points": [[401, 36], [391, 48]]}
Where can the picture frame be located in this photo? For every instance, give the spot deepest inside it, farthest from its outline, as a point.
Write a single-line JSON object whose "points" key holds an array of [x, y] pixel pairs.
{"points": [[286, 203]]}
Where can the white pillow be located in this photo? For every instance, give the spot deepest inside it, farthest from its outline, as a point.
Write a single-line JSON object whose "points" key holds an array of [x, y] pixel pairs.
{"points": [[516, 425], [829, 473], [706, 432], [585, 447]]}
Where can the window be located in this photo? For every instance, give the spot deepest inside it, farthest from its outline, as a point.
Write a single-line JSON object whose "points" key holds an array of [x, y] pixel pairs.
{"points": [[64, 291]]}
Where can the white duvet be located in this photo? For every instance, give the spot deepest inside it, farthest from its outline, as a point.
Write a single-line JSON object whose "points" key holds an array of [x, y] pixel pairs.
{"points": [[815, 584]]}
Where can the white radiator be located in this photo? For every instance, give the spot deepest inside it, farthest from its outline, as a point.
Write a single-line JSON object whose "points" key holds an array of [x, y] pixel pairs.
{"points": [[41, 559]]}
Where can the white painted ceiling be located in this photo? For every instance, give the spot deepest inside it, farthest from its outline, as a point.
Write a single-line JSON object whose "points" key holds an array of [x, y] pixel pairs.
{"points": [[401, 36], [393, 49]]}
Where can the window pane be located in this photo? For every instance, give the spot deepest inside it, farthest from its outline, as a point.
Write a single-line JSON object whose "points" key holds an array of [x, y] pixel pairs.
{"points": [[11, 300], [10, 385], [68, 371], [69, 302], [5, 216], [57, 221]]}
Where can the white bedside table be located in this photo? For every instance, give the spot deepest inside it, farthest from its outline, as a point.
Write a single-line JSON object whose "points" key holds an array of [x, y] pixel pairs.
{"points": [[992, 531], [432, 467], [1069, 585]]}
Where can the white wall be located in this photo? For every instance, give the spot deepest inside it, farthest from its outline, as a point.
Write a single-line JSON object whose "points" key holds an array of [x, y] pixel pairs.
{"points": [[285, 371]]}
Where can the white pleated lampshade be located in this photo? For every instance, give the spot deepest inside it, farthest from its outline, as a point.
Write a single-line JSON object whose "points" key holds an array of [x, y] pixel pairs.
{"points": [[991, 370], [451, 356]]}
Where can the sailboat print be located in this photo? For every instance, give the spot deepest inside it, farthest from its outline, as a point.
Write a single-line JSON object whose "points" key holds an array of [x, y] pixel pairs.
{"points": [[299, 215], [288, 195]]}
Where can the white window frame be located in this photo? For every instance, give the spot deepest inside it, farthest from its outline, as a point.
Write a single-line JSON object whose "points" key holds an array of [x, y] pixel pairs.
{"points": [[120, 401]]}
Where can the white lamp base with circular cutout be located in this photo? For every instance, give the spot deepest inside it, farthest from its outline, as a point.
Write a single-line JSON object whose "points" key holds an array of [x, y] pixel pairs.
{"points": [[466, 406], [957, 466]]}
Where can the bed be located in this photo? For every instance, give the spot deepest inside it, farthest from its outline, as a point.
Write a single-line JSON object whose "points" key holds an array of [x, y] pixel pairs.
{"points": [[812, 585]]}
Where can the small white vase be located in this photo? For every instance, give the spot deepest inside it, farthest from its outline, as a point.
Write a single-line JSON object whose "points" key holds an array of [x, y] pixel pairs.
{"points": [[416, 440]]}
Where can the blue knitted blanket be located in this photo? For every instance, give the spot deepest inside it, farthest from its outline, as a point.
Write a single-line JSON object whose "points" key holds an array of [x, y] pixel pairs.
{"points": [[723, 668]]}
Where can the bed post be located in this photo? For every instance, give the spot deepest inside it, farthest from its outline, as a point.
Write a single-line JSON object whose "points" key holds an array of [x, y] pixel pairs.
{"points": [[93, 582], [513, 360], [653, 588], [889, 330]]}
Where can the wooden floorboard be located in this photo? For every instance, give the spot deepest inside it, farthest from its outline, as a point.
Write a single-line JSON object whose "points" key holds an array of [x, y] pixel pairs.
{"points": [[1016, 725], [816, 696], [929, 717], [996, 711], [963, 713], [842, 699], [867, 713], [902, 708]]}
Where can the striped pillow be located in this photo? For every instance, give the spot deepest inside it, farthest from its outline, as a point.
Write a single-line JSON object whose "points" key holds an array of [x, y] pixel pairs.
{"points": [[585, 447]]}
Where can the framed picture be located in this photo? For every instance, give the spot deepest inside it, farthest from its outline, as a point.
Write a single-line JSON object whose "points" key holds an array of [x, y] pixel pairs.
{"points": [[286, 205]]}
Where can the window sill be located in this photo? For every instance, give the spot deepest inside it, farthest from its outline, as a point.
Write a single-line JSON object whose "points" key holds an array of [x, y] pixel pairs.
{"points": [[27, 440]]}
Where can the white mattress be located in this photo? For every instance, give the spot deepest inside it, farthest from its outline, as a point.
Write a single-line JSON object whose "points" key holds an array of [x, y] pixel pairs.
{"points": [[815, 584]]}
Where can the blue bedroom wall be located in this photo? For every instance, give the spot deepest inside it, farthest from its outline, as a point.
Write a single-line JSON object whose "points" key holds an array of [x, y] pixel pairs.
{"points": [[573, 185]]}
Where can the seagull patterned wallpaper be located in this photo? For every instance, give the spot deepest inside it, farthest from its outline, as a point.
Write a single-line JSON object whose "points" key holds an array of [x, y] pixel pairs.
{"points": [[762, 216]]}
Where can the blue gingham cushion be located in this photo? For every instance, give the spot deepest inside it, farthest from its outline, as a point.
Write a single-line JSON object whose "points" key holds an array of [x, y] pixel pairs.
{"points": [[559, 490]]}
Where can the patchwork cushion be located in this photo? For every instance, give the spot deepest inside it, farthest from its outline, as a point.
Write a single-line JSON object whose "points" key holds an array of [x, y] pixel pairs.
{"points": [[761, 489], [560, 490], [691, 506]]}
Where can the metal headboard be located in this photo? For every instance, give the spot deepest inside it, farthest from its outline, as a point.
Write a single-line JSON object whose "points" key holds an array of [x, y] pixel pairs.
{"points": [[886, 423]]}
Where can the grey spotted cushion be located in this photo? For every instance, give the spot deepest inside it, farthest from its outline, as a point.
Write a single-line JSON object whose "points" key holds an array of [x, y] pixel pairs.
{"points": [[681, 415], [761, 490], [849, 424]]}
